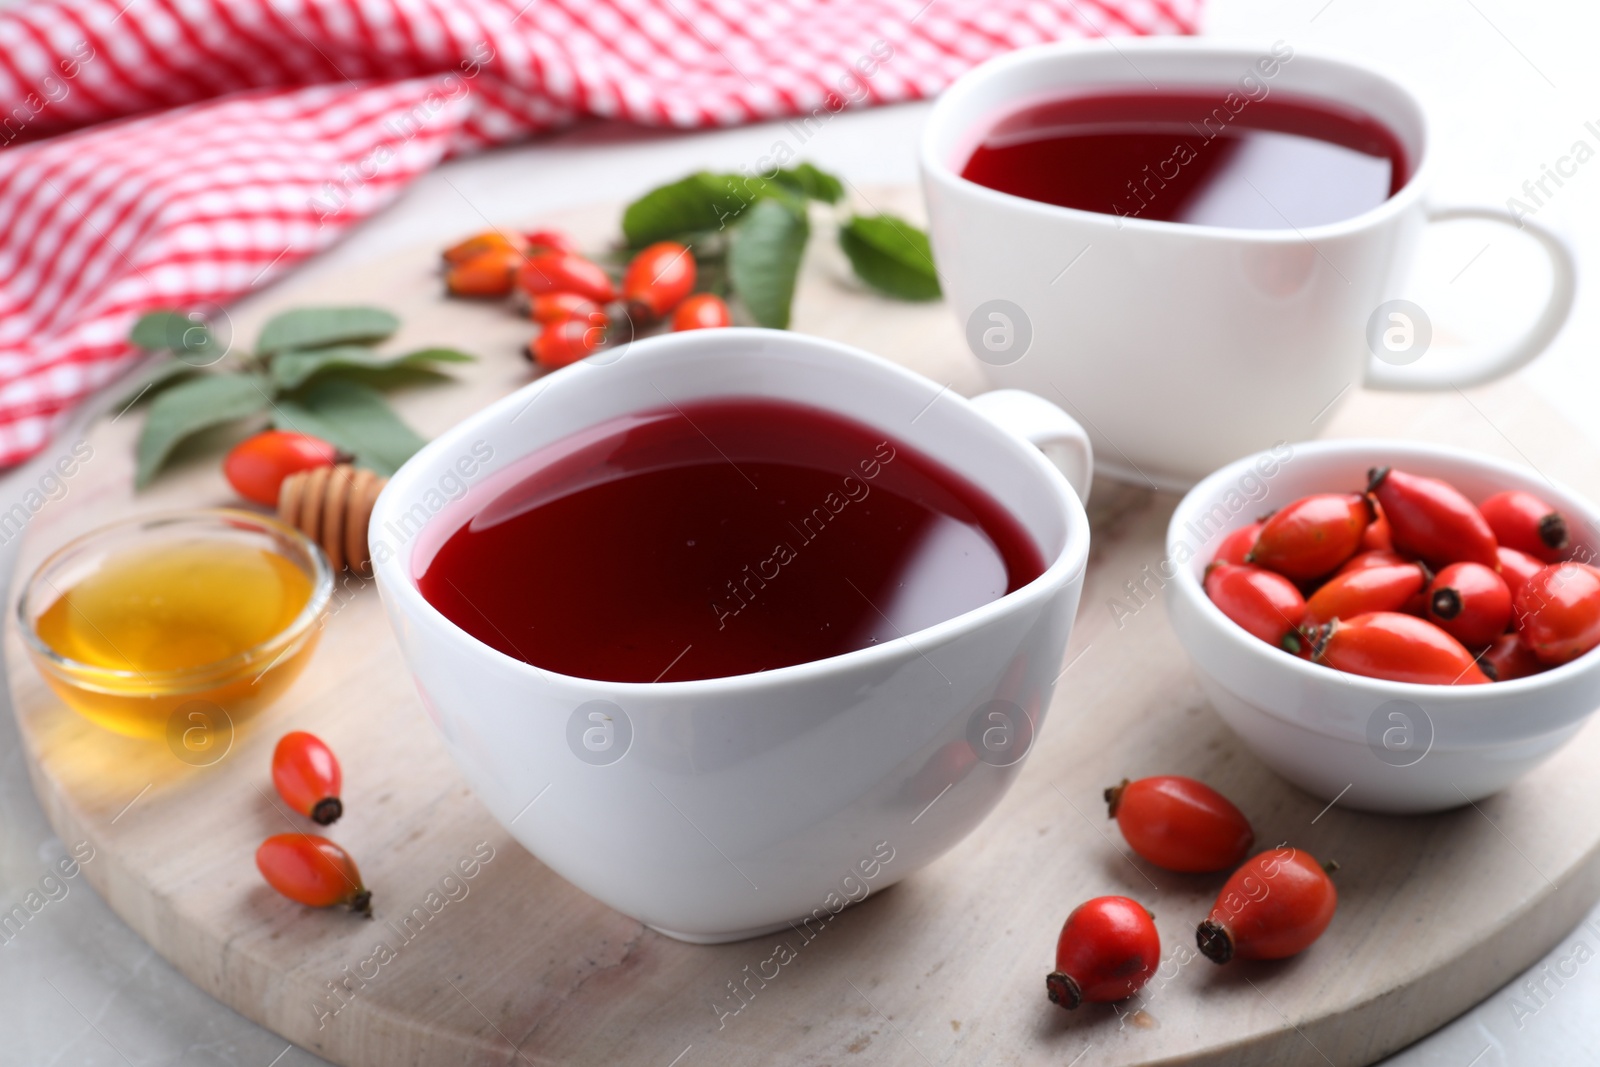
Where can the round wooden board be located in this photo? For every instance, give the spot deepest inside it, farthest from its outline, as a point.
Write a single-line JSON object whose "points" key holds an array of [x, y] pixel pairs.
{"points": [[946, 967]]}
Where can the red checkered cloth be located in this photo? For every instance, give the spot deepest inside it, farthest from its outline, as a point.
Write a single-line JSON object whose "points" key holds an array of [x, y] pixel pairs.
{"points": [[179, 153]]}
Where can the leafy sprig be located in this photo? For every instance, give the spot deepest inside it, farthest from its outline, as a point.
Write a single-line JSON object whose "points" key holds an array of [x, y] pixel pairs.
{"points": [[749, 235], [313, 370]]}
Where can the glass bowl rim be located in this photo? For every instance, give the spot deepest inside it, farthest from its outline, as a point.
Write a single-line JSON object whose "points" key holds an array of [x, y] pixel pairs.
{"points": [[206, 673]]}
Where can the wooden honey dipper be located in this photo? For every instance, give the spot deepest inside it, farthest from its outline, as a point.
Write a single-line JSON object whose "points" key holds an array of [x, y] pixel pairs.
{"points": [[332, 506]]}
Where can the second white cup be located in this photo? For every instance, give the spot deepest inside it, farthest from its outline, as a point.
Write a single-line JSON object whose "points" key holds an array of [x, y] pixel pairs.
{"points": [[1182, 347]]}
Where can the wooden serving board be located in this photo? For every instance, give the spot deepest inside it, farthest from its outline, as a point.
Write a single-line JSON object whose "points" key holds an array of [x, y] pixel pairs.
{"points": [[513, 965]]}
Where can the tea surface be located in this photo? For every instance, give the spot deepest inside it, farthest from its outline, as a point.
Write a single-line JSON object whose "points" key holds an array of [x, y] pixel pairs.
{"points": [[1205, 158], [722, 538]]}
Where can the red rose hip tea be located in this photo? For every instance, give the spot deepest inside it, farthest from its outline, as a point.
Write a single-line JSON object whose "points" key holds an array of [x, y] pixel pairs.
{"points": [[1212, 158], [718, 538]]}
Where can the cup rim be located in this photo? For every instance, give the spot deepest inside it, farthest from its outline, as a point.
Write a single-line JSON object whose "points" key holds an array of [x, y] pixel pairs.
{"points": [[936, 168], [203, 675], [1272, 659], [1068, 564]]}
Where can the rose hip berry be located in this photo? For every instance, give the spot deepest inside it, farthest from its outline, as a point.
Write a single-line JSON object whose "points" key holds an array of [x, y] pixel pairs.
{"points": [[1376, 557], [563, 272], [1265, 604], [1273, 907], [479, 243], [1313, 535], [551, 241], [1430, 518], [1396, 647], [1558, 612], [1235, 548], [313, 871], [1516, 567], [307, 776], [1180, 824], [568, 340], [1107, 951], [487, 275], [551, 307], [657, 280], [1469, 602], [257, 466], [1510, 657], [1378, 537], [702, 311], [1386, 587], [1522, 521]]}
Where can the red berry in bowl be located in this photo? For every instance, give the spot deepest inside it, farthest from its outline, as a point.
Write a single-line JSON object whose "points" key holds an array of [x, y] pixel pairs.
{"points": [[1429, 517], [1313, 535], [1375, 557], [1377, 537], [1470, 602], [1385, 587], [1235, 548], [1522, 521], [1558, 611], [1180, 824], [1396, 647], [1510, 657], [1107, 951], [1516, 567], [1265, 604], [1274, 906]]}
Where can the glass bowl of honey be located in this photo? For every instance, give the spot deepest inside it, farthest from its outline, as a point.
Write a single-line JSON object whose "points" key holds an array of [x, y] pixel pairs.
{"points": [[162, 624]]}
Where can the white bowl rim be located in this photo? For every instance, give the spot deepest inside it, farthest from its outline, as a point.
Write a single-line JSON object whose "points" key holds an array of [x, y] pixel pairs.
{"points": [[1068, 565], [1444, 697], [1417, 182]]}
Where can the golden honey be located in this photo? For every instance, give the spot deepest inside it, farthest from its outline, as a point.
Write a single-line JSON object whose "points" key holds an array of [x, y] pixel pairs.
{"points": [[209, 612]]}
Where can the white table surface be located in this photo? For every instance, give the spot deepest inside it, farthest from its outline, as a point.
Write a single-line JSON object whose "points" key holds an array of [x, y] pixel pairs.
{"points": [[1510, 86]]}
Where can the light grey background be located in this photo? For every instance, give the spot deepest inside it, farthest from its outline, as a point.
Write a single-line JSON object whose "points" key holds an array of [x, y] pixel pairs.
{"points": [[1510, 86]]}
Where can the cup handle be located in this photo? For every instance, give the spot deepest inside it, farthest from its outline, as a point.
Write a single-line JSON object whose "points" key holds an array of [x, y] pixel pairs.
{"points": [[1563, 285], [1046, 427]]}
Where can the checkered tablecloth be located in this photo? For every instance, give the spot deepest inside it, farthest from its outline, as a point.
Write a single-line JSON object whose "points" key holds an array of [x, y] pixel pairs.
{"points": [[178, 153]]}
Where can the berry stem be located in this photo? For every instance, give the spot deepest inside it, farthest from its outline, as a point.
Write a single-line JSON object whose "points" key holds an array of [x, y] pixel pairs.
{"points": [[1216, 944], [1113, 795], [1063, 990], [1446, 603]]}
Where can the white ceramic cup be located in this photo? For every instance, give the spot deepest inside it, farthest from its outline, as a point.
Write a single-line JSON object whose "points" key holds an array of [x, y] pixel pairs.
{"points": [[1182, 347], [719, 809]]}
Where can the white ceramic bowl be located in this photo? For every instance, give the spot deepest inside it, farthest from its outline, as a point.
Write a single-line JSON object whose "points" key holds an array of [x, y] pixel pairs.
{"points": [[723, 808], [1377, 745]]}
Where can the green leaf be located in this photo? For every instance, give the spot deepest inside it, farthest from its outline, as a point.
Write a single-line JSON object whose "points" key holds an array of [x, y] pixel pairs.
{"points": [[316, 327], [192, 406], [292, 368], [173, 331], [147, 386], [700, 204], [352, 416], [702, 201], [764, 260], [891, 255], [811, 183]]}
